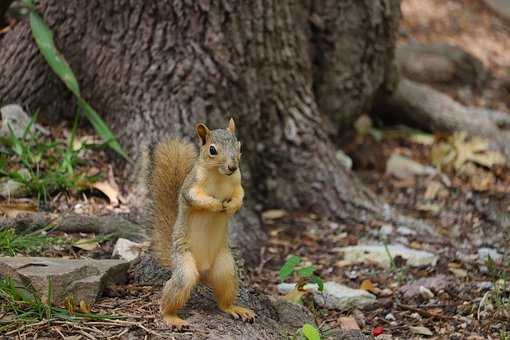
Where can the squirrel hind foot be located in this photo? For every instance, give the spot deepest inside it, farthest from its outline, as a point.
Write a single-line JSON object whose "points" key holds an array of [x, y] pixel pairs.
{"points": [[238, 312], [175, 322]]}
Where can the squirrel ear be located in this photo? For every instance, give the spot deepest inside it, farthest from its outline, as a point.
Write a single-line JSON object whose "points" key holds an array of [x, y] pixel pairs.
{"points": [[202, 132], [231, 126]]}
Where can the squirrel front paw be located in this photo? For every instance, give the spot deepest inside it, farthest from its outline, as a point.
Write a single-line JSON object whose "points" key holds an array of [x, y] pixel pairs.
{"points": [[231, 206]]}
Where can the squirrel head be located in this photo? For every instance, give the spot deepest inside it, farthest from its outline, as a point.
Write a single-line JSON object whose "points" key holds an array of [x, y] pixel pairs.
{"points": [[220, 148]]}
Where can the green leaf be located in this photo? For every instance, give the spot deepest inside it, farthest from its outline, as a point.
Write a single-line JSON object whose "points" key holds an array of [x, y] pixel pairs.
{"points": [[288, 267], [310, 332], [317, 280], [44, 40], [306, 271], [101, 127]]}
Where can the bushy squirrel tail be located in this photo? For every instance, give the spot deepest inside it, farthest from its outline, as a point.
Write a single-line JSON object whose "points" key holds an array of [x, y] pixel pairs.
{"points": [[168, 165]]}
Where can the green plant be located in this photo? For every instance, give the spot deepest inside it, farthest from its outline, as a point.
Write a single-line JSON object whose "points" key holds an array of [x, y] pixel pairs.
{"points": [[12, 244], [305, 274], [310, 332], [45, 42], [27, 307], [500, 294], [399, 272], [42, 165]]}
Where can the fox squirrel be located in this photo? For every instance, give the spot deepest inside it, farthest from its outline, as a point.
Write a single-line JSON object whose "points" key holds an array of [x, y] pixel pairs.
{"points": [[194, 196]]}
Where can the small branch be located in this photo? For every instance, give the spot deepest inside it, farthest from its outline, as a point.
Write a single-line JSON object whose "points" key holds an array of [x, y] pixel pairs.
{"points": [[75, 223]]}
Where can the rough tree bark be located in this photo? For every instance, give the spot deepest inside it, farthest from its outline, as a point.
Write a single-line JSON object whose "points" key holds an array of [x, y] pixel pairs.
{"points": [[291, 73]]}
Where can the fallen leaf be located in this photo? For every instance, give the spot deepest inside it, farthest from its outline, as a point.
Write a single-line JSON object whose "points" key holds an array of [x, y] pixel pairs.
{"points": [[85, 307], [459, 272], [348, 323], [428, 207], [273, 214], [14, 209], [363, 125], [403, 167], [377, 330], [435, 311], [459, 150], [421, 330], [421, 138], [435, 189], [368, 286], [343, 263], [295, 295], [69, 304], [109, 190], [88, 244]]}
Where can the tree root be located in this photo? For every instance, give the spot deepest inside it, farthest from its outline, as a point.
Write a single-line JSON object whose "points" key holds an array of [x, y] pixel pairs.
{"points": [[116, 225], [422, 106]]}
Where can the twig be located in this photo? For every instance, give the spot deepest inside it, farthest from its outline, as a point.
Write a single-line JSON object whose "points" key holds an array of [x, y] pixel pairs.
{"points": [[30, 325], [482, 302], [87, 335]]}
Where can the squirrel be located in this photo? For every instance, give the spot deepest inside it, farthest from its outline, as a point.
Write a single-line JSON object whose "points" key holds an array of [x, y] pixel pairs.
{"points": [[194, 197]]}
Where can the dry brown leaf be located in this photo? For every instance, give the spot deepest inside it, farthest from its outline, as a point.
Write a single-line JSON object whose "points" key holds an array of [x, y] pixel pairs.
{"points": [[475, 150], [295, 295], [459, 150], [421, 138], [435, 311], [434, 190], [88, 244], [348, 323], [85, 307], [109, 190], [368, 286], [14, 209], [343, 263], [428, 207]]}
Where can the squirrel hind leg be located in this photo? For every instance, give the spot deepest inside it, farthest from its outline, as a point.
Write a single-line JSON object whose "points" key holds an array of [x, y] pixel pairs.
{"points": [[178, 289], [223, 281]]}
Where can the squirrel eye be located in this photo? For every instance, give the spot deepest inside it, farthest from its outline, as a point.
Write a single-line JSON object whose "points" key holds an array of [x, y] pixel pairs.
{"points": [[212, 150]]}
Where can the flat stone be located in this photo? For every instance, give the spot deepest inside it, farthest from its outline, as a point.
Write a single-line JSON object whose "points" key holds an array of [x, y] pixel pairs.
{"points": [[83, 279], [335, 296], [378, 254]]}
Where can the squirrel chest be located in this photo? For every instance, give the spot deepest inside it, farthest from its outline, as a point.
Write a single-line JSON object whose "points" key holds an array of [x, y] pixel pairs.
{"points": [[209, 230]]}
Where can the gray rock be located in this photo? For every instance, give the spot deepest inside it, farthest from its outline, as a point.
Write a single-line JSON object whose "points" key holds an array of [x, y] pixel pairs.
{"points": [[379, 255], [335, 296], [435, 283], [484, 253], [83, 279], [10, 188], [126, 249]]}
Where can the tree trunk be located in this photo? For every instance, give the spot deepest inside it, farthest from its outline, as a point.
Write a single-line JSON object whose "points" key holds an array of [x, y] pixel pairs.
{"points": [[292, 73]]}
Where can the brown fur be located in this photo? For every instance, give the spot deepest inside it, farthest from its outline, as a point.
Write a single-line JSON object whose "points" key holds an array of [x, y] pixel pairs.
{"points": [[194, 198], [172, 162]]}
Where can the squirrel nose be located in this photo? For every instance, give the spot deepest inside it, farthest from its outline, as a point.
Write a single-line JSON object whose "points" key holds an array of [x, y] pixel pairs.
{"points": [[232, 168]]}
